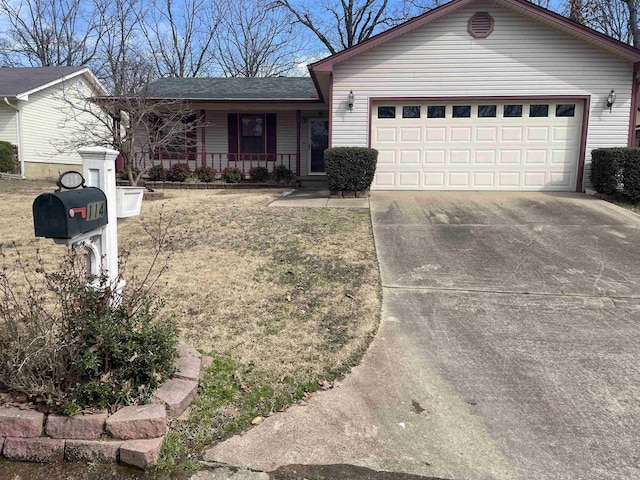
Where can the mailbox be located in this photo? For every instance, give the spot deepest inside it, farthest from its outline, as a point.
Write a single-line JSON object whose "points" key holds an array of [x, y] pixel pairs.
{"points": [[65, 214]]}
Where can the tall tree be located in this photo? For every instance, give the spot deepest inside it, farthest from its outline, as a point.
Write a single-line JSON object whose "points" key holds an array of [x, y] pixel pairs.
{"points": [[255, 40], [340, 24], [180, 36], [52, 32], [121, 61]]}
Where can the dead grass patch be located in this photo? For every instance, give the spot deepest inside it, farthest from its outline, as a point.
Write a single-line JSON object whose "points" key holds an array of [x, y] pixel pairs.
{"points": [[283, 297]]}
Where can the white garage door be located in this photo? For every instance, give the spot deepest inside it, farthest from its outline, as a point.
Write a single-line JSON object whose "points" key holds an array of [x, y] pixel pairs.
{"points": [[514, 145]]}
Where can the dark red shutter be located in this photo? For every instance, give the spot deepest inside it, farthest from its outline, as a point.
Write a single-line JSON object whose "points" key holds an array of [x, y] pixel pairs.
{"points": [[271, 136], [232, 129]]}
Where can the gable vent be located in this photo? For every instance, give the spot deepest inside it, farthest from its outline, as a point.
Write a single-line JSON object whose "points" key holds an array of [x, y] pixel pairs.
{"points": [[480, 25]]}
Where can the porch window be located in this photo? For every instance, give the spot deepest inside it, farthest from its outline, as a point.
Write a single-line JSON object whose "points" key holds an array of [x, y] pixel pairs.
{"points": [[252, 134]]}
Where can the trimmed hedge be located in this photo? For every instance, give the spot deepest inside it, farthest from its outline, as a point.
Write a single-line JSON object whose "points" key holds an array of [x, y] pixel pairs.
{"points": [[178, 172], [6, 158], [350, 168], [616, 171]]}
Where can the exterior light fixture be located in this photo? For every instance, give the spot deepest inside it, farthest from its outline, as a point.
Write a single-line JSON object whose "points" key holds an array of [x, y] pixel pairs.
{"points": [[611, 99], [350, 100]]}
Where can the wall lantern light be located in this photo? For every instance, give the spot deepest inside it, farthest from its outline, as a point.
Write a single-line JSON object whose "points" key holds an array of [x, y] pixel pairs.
{"points": [[350, 100], [611, 99]]}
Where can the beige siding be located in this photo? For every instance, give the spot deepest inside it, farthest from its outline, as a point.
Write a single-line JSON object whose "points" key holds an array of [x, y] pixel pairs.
{"points": [[52, 130], [286, 142], [521, 57], [8, 124]]}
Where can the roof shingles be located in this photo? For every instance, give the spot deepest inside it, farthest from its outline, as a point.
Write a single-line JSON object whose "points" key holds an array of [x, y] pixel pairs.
{"points": [[271, 88], [15, 81]]}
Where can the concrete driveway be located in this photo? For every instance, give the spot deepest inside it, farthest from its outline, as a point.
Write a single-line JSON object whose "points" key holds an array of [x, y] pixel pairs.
{"points": [[508, 348]]}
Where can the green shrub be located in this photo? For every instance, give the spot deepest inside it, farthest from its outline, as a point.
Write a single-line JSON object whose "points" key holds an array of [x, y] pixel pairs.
{"points": [[259, 174], [232, 175], [205, 174], [78, 345], [158, 173], [7, 164], [350, 168], [282, 174], [178, 172], [616, 171], [606, 170], [124, 174]]}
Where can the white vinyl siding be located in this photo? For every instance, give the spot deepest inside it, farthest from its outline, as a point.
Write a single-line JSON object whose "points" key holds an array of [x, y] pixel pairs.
{"points": [[8, 123], [49, 133], [521, 57]]}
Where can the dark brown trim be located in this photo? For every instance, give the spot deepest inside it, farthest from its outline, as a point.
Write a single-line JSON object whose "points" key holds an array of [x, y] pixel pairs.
{"points": [[203, 140], [330, 110], [428, 17], [631, 140], [298, 121], [582, 152], [586, 99]]}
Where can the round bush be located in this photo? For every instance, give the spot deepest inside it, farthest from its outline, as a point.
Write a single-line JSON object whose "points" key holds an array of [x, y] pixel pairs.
{"points": [[259, 174], [179, 172], [283, 175], [205, 174], [232, 175], [6, 158], [158, 173], [350, 168]]}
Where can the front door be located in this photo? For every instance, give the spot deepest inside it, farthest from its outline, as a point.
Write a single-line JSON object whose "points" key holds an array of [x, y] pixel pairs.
{"points": [[318, 143]]}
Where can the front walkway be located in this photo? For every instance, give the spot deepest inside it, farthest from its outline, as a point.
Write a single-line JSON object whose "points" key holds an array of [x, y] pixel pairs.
{"points": [[317, 198]]}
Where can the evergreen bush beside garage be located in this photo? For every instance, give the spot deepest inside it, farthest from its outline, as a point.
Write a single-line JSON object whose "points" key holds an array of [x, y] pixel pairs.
{"points": [[616, 171], [350, 169], [6, 157]]}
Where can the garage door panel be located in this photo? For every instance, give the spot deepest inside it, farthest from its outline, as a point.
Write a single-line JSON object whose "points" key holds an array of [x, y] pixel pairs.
{"points": [[471, 153]]}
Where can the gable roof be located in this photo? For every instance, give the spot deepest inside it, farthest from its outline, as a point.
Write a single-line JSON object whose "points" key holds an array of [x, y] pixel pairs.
{"points": [[234, 89], [20, 82], [523, 6]]}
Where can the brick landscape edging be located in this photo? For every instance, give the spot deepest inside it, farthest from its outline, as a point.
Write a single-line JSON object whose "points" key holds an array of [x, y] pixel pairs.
{"points": [[131, 436]]}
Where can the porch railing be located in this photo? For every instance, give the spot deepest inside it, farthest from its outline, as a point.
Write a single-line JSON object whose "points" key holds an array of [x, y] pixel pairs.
{"points": [[219, 161]]}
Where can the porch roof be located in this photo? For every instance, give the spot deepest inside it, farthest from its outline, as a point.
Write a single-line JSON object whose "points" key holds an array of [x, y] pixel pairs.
{"points": [[234, 89]]}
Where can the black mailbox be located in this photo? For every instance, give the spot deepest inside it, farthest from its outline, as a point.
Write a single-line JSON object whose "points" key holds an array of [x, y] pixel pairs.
{"points": [[68, 213]]}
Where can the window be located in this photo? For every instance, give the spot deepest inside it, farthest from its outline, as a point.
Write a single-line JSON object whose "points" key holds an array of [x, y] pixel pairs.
{"points": [[436, 111], [461, 111], [252, 133], [566, 110], [486, 111], [411, 112], [386, 112], [512, 111], [538, 111]]}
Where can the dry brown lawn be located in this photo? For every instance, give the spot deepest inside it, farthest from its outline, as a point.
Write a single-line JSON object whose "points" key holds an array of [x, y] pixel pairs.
{"points": [[291, 292]]}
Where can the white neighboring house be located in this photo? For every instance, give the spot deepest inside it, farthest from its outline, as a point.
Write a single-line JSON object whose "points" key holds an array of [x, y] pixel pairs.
{"points": [[36, 116]]}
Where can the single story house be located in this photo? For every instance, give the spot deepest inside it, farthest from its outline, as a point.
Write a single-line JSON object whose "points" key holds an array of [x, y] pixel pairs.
{"points": [[35, 115], [473, 95]]}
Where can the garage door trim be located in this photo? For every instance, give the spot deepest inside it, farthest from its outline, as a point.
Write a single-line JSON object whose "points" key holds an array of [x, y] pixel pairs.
{"points": [[525, 98]]}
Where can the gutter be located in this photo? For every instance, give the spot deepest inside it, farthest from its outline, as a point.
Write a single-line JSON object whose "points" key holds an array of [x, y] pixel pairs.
{"points": [[20, 142]]}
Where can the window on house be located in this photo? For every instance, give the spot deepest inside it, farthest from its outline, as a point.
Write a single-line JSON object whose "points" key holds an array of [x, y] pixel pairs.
{"points": [[512, 111], [411, 112], [461, 111], [386, 112], [566, 110], [486, 111], [436, 111], [538, 111], [252, 133]]}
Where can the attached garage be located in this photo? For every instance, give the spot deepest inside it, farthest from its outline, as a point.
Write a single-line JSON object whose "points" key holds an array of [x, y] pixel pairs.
{"points": [[483, 95], [486, 144]]}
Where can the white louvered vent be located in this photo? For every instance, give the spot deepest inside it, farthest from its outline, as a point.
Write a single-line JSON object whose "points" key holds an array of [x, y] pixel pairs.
{"points": [[480, 25]]}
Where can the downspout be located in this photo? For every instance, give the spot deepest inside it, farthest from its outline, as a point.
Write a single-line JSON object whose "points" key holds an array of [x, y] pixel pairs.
{"points": [[20, 143]]}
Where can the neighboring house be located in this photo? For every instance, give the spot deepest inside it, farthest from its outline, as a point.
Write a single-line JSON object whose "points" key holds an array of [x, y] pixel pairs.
{"points": [[35, 115], [473, 95]]}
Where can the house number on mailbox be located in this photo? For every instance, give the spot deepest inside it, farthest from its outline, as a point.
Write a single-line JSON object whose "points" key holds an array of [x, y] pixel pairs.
{"points": [[95, 210]]}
